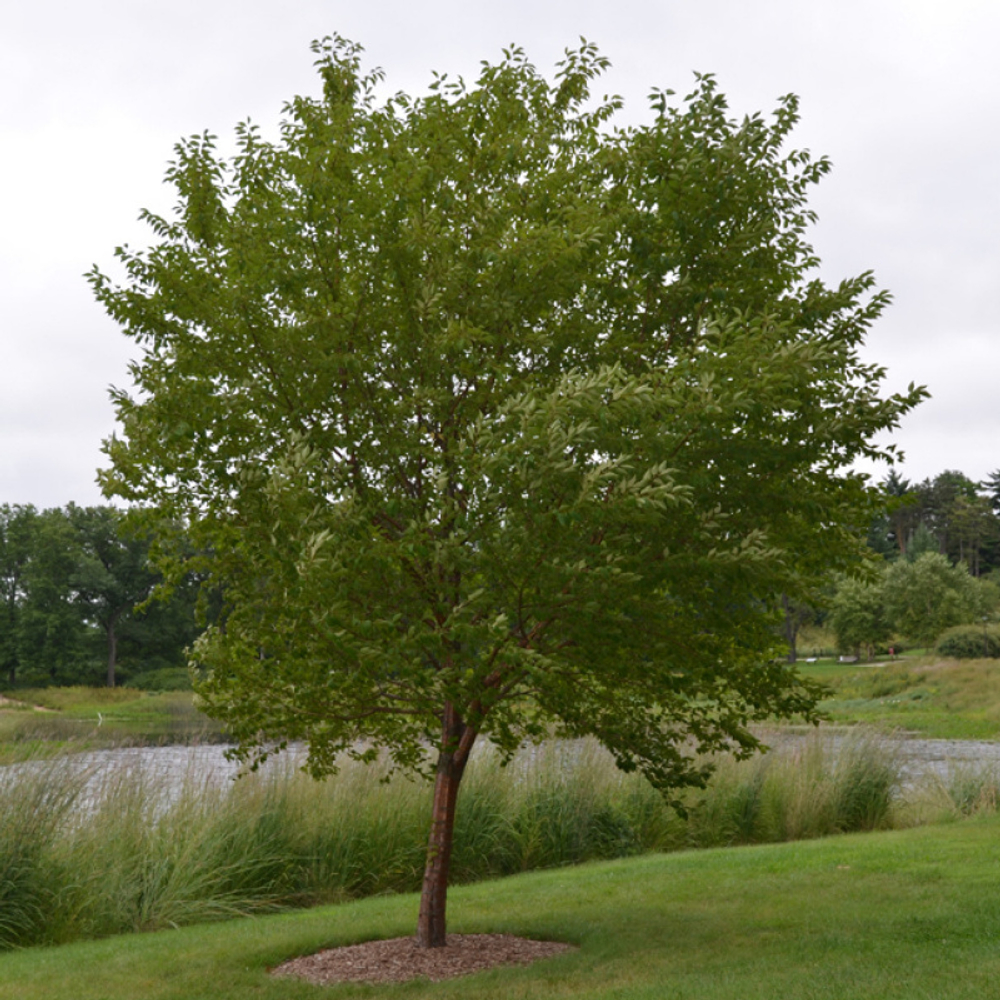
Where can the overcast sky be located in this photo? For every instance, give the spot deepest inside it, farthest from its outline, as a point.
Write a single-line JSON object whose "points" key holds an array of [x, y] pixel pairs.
{"points": [[903, 95]]}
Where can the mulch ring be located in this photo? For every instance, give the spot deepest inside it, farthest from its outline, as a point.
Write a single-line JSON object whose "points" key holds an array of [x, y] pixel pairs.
{"points": [[399, 959]]}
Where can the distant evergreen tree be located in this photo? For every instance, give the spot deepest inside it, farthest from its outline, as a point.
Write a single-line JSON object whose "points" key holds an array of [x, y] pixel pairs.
{"points": [[923, 541], [991, 486], [902, 512]]}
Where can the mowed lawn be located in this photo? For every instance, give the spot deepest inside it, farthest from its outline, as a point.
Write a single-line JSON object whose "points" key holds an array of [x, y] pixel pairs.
{"points": [[909, 914]]}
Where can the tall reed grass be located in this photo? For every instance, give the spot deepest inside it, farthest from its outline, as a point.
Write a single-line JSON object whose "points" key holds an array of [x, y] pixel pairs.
{"points": [[86, 853], [820, 786], [966, 789]]}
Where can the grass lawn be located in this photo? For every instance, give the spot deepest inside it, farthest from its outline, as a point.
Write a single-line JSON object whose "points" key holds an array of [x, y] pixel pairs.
{"points": [[948, 699], [103, 716], [912, 914]]}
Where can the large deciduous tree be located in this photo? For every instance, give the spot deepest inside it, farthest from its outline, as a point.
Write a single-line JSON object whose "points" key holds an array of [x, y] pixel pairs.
{"points": [[928, 595], [17, 541], [52, 635], [499, 422], [858, 617], [112, 574]]}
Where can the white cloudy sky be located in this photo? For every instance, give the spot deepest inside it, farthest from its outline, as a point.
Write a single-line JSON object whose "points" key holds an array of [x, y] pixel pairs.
{"points": [[903, 95]]}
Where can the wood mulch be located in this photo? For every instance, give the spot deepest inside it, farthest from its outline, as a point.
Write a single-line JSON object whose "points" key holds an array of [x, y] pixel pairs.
{"points": [[399, 959]]}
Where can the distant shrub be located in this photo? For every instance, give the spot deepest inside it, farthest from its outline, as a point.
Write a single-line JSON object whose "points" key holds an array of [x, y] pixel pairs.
{"points": [[164, 679], [969, 642]]}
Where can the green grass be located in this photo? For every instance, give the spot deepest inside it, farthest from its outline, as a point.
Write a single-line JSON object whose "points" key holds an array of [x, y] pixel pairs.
{"points": [[946, 699], [913, 914], [832, 671], [102, 716]]}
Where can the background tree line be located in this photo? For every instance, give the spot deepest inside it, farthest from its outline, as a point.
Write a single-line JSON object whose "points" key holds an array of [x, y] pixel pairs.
{"points": [[940, 545], [950, 514], [74, 583]]}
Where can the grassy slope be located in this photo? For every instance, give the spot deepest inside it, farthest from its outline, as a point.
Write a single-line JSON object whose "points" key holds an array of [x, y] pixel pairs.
{"points": [[912, 914], [949, 699], [102, 715]]}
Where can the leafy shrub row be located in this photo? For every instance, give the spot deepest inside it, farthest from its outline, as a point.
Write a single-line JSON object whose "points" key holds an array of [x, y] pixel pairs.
{"points": [[970, 642], [163, 679]]}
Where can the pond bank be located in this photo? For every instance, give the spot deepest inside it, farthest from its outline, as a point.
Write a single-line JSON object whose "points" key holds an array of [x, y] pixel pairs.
{"points": [[208, 762]]}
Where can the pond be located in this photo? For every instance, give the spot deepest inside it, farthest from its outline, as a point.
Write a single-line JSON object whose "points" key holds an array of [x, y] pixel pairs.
{"points": [[207, 763]]}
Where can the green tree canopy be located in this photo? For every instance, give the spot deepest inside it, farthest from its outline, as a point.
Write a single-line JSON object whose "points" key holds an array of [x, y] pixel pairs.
{"points": [[858, 616], [112, 573], [498, 421], [18, 529], [71, 582], [52, 635], [928, 595]]}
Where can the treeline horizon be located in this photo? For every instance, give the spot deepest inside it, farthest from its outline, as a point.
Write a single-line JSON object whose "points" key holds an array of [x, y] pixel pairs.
{"points": [[79, 605], [940, 545], [79, 601], [950, 513]]}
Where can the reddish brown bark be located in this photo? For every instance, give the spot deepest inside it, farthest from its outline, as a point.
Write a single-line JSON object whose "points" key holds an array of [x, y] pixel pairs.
{"points": [[457, 740]]}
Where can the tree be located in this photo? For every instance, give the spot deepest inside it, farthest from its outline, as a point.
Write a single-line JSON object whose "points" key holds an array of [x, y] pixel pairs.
{"points": [[112, 573], [17, 531], [937, 499], [498, 422], [902, 514], [795, 615], [53, 639], [922, 542], [928, 595], [157, 634], [858, 617], [973, 531], [991, 486], [70, 583]]}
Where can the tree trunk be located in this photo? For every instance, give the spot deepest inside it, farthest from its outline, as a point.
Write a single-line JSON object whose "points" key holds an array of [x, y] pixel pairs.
{"points": [[791, 627], [457, 740], [112, 653]]}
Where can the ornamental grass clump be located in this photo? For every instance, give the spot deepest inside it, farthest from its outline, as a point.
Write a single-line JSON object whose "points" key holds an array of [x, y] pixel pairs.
{"points": [[150, 853], [564, 803], [817, 786], [973, 789], [33, 808]]}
